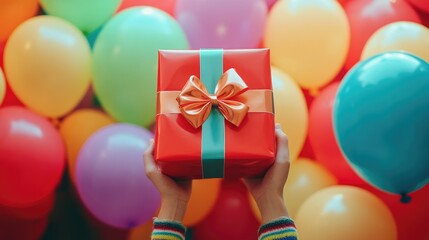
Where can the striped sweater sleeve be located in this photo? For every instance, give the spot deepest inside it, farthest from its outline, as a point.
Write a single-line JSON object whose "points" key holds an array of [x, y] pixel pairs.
{"points": [[279, 229], [167, 230]]}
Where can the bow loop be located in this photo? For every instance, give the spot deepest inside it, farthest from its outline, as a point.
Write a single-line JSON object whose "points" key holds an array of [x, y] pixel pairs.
{"points": [[195, 102]]}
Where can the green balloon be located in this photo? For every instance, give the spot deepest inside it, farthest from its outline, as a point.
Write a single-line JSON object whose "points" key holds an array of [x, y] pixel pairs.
{"points": [[125, 59], [87, 15]]}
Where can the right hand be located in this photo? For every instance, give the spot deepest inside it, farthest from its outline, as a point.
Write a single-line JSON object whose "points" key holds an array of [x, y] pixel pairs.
{"points": [[268, 190]]}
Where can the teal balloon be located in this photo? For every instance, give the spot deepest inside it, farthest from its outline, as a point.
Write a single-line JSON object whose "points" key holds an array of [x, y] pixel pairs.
{"points": [[125, 58], [381, 121], [87, 15]]}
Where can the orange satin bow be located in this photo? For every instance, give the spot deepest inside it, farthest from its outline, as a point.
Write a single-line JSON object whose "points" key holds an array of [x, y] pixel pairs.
{"points": [[195, 102]]}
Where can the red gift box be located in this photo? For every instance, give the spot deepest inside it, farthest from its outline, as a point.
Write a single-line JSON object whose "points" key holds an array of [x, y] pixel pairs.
{"points": [[214, 113]]}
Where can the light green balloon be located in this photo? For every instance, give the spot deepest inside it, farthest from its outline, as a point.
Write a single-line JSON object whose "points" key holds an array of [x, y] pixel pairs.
{"points": [[87, 15], [125, 59]]}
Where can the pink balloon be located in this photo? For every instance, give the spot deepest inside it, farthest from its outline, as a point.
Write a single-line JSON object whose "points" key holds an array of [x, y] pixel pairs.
{"points": [[222, 23], [270, 3]]}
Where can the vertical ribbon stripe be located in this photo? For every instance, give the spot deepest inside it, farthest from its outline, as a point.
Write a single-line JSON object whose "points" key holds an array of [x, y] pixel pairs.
{"points": [[213, 129]]}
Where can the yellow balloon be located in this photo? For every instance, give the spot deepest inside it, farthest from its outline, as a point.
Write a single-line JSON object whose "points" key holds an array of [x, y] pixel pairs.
{"points": [[305, 178], [2, 86], [76, 128], [48, 65], [290, 110], [308, 39], [399, 36], [345, 212]]}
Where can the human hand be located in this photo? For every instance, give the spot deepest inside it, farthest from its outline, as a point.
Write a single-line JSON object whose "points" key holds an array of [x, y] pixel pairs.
{"points": [[268, 190], [174, 194]]}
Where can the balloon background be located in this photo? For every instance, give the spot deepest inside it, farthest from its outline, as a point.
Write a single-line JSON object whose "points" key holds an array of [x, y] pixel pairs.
{"points": [[77, 105]]}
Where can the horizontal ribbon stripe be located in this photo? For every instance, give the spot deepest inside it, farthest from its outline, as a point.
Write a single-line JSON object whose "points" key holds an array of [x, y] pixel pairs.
{"points": [[257, 100]]}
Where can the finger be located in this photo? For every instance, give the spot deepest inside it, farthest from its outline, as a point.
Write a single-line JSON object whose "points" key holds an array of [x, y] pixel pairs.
{"points": [[279, 132], [282, 155], [149, 163], [280, 169]]}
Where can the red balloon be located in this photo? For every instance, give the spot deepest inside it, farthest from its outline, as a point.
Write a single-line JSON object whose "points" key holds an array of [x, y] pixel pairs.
{"points": [[32, 157], [168, 6], [412, 219], [425, 18], [87, 100], [322, 138], [422, 5], [22, 230], [307, 150], [10, 98], [231, 217], [39, 210], [342, 2], [367, 16], [2, 44]]}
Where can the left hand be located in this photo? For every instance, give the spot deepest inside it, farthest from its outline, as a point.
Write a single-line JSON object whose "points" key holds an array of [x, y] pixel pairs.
{"points": [[175, 194]]}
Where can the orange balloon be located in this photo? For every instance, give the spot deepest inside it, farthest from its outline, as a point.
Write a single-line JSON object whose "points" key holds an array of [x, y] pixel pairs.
{"points": [[305, 178], [345, 212], [309, 39], [77, 128], [142, 232], [14, 12], [47, 63], [203, 198], [290, 110]]}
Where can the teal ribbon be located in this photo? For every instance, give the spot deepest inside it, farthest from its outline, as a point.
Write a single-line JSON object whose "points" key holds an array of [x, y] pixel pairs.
{"points": [[213, 129]]}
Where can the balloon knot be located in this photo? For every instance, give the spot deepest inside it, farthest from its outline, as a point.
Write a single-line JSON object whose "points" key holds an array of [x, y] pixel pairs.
{"points": [[405, 198], [132, 224]]}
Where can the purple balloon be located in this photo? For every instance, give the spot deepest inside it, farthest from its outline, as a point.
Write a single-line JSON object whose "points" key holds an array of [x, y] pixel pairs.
{"points": [[111, 179], [222, 23]]}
